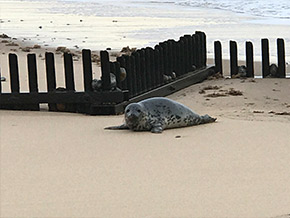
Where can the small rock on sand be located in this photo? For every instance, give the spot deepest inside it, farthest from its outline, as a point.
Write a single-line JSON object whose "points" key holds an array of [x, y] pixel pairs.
{"points": [[4, 36]]}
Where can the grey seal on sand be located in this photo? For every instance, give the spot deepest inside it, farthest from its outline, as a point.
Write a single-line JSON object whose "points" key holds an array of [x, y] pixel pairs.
{"points": [[158, 113]]}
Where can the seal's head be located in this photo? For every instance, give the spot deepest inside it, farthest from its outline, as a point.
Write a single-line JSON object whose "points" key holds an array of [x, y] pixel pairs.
{"points": [[134, 114]]}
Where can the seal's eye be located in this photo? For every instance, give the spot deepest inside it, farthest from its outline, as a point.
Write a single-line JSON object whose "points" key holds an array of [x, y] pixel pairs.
{"points": [[139, 111], [127, 111]]}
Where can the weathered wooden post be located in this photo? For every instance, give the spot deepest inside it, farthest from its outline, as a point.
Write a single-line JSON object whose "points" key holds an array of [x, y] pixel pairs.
{"points": [[203, 47], [170, 56], [198, 50], [133, 74], [117, 71], [189, 52], [178, 65], [161, 65], [265, 58], [194, 51], [69, 79], [14, 73], [250, 59], [32, 77], [233, 58], [50, 76], [105, 67], [138, 72], [186, 54], [143, 70], [32, 73], [69, 72], [281, 58], [149, 82], [128, 79], [218, 57], [87, 69], [152, 68], [165, 61], [157, 58], [122, 61], [182, 54]]}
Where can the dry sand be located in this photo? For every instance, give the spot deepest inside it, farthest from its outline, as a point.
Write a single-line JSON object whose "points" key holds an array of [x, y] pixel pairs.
{"points": [[66, 165]]}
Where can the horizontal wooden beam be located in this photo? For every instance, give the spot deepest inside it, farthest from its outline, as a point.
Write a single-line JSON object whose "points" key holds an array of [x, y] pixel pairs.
{"points": [[63, 97]]}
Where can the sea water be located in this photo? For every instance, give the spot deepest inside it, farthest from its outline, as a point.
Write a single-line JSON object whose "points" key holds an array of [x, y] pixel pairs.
{"points": [[225, 25], [261, 8]]}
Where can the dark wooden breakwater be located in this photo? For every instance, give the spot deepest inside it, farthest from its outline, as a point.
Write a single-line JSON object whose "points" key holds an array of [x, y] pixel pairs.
{"points": [[268, 70], [168, 67]]}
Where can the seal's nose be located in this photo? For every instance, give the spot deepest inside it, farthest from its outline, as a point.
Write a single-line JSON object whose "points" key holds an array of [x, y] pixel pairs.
{"points": [[132, 117]]}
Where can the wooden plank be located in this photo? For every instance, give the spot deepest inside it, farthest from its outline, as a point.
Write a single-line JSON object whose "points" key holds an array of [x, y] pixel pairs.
{"points": [[190, 53], [112, 71], [138, 73], [62, 97], [203, 47], [194, 51], [170, 56], [233, 58], [153, 67], [32, 72], [174, 50], [186, 54], [32, 77], [281, 58], [116, 66], [250, 59], [164, 57], [198, 51], [105, 67], [69, 72], [124, 85], [87, 69], [218, 57], [182, 56], [148, 64], [157, 65], [161, 65], [178, 84], [265, 58], [50, 71], [50, 76], [14, 73], [143, 71], [133, 74]]}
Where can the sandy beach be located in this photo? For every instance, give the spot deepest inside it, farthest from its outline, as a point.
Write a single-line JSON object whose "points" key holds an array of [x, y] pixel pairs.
{"points": [[66, 165]]}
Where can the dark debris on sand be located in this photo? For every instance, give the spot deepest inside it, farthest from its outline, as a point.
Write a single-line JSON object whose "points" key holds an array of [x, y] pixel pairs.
{"points": [[221, 93]]}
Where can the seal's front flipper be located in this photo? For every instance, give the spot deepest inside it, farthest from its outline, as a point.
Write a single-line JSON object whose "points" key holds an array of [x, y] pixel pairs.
{"points": [[123, 126], [156, 129]]}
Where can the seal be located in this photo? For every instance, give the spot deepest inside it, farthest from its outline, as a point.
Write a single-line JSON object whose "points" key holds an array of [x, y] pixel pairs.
{"points": [[159, 113]]}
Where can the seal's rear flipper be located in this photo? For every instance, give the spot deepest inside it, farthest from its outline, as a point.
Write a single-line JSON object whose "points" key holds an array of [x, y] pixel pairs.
{"points": [[123, 126]]}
